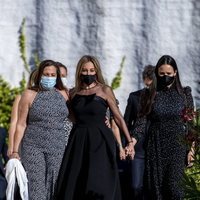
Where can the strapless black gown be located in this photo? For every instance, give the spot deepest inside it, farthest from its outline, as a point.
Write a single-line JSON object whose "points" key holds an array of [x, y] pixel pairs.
{"points": [[89, 170]]}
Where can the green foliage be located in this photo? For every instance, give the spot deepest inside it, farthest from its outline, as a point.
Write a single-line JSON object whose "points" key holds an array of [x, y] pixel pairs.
{"points": [[22, 83], [22, 45], [7, 93], [192, 192], [36, 59], [192, 175], [118, 77], [7, 96], [22, 48]]}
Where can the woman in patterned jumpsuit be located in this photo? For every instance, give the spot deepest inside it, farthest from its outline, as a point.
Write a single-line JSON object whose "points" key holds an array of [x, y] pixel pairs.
{"points": [[40, 130]]}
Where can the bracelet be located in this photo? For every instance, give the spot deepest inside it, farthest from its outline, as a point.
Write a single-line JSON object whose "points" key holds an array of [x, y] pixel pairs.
{"points": [[130, 141], [15, 152]]}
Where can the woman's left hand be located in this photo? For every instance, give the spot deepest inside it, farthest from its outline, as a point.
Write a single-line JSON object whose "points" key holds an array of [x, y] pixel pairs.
{"points": [[107, 122]]}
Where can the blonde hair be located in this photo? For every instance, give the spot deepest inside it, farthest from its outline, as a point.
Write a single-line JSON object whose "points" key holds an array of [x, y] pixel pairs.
{"points": [[82, 61]]}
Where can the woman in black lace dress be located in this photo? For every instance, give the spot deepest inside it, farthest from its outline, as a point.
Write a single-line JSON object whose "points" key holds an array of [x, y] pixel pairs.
{"points": [[166, 150]]}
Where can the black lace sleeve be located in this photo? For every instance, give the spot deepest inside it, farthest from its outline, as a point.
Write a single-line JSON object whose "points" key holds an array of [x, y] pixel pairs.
{"points": [[139, 128]]}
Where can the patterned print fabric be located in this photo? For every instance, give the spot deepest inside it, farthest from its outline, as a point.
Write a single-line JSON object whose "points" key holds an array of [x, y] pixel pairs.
{"points": [[166, 150], [44, 143]]}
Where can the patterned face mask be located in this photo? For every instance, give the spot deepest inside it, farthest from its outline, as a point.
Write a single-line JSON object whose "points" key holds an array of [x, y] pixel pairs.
{"points": [[48, 82]]}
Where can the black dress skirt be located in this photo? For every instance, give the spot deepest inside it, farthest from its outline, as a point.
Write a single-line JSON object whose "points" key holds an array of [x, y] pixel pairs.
{"points": [[89, 170]]}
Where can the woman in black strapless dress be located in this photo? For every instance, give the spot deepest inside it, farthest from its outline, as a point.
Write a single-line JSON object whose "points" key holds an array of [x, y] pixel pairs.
{"points": [[89, 169]]}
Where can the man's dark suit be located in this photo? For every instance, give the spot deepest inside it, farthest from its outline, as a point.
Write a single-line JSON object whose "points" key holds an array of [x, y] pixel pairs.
{"points": [[138, 164], [3, 161], [130, 117]]}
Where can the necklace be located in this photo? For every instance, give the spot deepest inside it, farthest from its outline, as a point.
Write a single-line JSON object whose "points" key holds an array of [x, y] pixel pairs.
{"points": [[89, 86]]}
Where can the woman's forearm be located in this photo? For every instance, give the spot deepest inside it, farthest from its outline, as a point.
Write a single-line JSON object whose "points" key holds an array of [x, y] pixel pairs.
{"points": [[18, 137]]}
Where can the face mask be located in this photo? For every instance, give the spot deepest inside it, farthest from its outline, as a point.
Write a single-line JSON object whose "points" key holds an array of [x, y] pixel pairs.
{"points": [[64, 81], [164, 81], [48, 82], [88, 79]]}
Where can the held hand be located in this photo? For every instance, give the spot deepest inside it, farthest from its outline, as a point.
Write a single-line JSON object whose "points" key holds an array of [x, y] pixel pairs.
{"points": [[107, 122], [129, 150], [122, 154], [15, 155], [190, 158]]}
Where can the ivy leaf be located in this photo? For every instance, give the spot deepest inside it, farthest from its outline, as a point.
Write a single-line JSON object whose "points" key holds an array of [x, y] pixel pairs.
{"points": [[118, 77]]}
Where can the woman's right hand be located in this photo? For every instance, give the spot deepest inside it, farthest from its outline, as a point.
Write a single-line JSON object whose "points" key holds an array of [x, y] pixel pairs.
{"points": [[15, 155], [9, 152]]}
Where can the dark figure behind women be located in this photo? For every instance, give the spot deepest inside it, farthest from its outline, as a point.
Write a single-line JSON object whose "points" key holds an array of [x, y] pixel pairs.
{"points": [[136, 169]]}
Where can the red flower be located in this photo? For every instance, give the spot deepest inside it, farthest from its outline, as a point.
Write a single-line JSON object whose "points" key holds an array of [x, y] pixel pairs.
{"points": [[190, 118], [188, 114]]}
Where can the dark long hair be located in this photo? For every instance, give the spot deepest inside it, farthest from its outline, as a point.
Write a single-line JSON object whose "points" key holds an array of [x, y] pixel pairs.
{"points": [[148, 96], [43, 64], [168, 60]]}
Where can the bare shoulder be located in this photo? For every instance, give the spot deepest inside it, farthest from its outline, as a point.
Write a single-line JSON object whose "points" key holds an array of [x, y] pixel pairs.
{"points": [[107, 89], [28, 92], [18, 97], [65, 94], [107, 92], [28, 96]]}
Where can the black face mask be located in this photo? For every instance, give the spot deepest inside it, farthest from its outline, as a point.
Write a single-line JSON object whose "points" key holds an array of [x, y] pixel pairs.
{"points": [[164, 81], [88, 79]]}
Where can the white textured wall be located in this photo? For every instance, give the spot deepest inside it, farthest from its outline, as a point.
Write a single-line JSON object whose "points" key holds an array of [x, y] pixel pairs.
{"points": [[142, 30]]}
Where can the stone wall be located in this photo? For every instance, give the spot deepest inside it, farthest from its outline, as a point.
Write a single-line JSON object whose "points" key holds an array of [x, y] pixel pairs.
{"points": [[141, 30]]}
